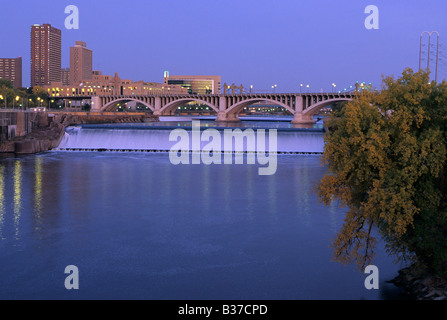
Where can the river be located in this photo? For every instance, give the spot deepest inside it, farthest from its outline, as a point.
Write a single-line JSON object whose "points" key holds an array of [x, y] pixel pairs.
{"points": [[138, 227]]}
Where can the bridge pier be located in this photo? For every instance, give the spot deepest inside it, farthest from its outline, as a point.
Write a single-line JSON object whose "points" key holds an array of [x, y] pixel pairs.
{"points": [[96, 104], [300, 118], [222, 116]]}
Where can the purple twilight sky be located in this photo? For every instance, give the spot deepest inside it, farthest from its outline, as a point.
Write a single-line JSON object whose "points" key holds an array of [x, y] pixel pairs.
{"points": [[249, 42]]}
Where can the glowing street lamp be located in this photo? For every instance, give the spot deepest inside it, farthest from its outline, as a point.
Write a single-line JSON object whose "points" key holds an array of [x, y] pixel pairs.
{"points": [[251, 88], [301, 86], [308, 88], [334, 86], [16, 99]]}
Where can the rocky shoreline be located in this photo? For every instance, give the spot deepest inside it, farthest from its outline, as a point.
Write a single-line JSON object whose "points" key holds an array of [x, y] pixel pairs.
{"points": [[417, 283]]}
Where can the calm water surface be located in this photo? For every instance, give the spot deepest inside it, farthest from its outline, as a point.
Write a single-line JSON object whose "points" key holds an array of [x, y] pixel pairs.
{"points": [[138, 227]]}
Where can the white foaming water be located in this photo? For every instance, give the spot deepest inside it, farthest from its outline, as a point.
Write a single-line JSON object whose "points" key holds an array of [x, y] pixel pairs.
{"points": [[157, 140]]}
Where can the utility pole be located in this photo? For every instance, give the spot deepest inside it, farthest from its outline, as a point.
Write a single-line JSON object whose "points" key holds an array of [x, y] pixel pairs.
{"points": [[429, 51]]}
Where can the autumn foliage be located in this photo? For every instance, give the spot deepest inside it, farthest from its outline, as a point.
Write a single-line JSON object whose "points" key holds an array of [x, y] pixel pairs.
{"points": [[386, 154]]}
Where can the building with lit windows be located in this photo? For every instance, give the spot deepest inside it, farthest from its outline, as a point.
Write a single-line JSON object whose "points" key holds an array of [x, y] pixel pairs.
{"points": [[46, 53], [81, 61], [105, 85], [65, 76], [195, 84], [11, 69]]}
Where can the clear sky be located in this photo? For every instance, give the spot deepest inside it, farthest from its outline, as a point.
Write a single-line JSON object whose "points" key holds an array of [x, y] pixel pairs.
{"points": [[249, 42]]}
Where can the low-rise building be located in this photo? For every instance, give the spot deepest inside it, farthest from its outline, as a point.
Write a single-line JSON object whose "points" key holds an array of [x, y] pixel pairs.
{"points": [[105, 85], [195, 84]]}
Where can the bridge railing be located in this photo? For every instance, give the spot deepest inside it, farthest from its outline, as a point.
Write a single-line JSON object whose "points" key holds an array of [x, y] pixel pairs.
{"points": [[217, 95]]}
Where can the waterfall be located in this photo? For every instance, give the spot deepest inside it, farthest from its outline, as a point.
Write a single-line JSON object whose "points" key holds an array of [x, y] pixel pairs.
{"points": [[153, 139]]}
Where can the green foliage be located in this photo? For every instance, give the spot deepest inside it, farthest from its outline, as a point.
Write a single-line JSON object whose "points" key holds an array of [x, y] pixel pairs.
{"points": [[29, 96], [386, 156], [5, 83], [40, 92]]}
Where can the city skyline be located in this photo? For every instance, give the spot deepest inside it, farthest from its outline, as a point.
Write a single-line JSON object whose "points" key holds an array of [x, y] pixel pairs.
{"points": [[253, 43]]}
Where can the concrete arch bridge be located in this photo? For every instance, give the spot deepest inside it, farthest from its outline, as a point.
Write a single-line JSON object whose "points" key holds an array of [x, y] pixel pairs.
{"points": [[303, 106]]}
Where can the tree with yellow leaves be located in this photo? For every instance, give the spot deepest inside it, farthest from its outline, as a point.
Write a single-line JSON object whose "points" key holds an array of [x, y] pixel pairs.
{"points": [[386, 153]]}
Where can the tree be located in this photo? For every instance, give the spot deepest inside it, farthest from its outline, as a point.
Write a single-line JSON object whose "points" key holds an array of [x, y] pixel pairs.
{"points": [[9, 93], [6, 83], [40, 92], [386, 154]]}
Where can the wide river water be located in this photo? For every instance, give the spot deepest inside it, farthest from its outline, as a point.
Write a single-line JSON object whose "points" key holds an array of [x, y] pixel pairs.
{"points": [[139, 227]]}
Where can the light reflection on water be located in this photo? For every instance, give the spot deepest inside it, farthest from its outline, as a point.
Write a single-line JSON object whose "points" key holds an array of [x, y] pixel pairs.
{"points": [[38, 196], [141, 228], [17, 196], [2, 201]]}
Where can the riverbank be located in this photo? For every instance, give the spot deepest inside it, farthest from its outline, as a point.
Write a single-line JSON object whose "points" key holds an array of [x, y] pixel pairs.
{"points": [[417, 283]]}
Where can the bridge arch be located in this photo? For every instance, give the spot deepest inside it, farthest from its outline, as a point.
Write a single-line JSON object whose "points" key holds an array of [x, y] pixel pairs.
{"points": [[111, 105], [311, 110], [238, 107], [172, 106]]}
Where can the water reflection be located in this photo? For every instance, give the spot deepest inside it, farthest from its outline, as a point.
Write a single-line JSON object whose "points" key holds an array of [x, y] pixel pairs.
{"points": [[250, 192], [2, 201], [272, 192], [301, 182], [17, 196], [137, 215], [38, 196], [206, 189]]}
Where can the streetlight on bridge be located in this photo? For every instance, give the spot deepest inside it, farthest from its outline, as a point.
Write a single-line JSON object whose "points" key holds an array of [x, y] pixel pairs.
{"points": [[301, 86], [334, 86], [308, 88], [16, 99]]}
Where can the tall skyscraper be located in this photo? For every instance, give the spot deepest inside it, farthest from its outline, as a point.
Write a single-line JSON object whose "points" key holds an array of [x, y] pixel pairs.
{"points": [[81, 61], [11, 69], [46, 54]]}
